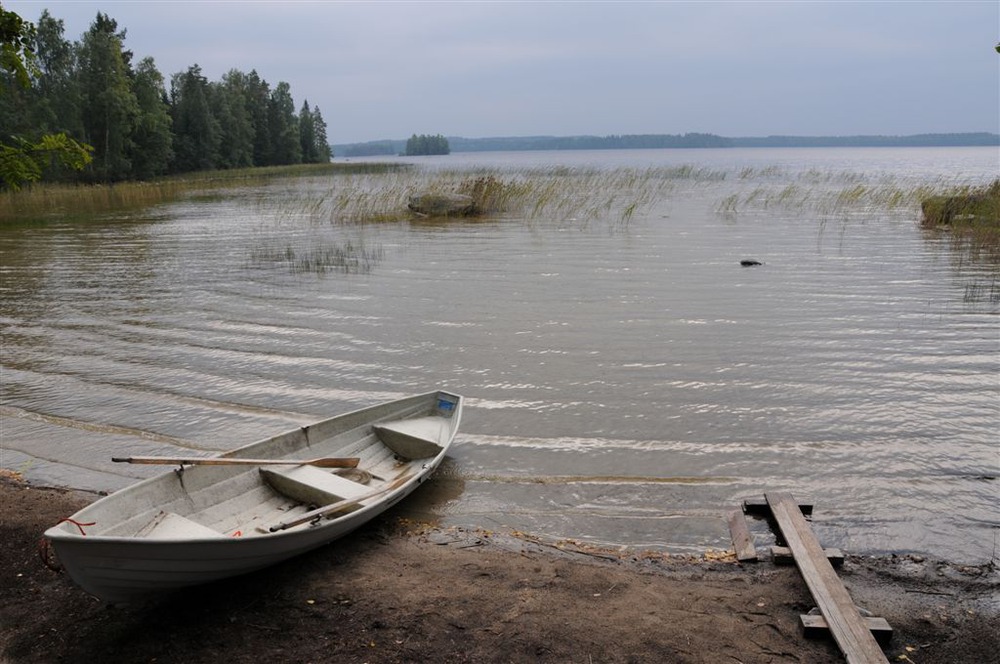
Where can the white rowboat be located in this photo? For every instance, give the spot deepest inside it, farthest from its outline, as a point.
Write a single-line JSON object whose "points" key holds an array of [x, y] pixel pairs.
{"points": [[200, 523]]}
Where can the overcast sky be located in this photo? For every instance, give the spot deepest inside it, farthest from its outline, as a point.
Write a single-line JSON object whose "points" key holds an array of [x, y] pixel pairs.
{"points": [[475, 69]]}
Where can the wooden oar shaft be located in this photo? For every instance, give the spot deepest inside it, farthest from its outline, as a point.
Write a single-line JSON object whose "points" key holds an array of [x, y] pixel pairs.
{"points": [[324, 462]]}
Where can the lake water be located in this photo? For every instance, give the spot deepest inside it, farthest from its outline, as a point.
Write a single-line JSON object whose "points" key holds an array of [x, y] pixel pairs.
{"points": [[628, 382]]}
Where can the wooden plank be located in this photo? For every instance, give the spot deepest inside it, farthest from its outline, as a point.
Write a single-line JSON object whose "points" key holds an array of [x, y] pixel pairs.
{"points": [[782, 555], [816, 627], [742, 540], [846, 624], [759, 507]]}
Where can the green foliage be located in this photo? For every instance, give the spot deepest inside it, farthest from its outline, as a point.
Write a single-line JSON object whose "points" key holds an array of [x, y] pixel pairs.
{"points": [[230, 105], [17, 166], [197, 132], [425, 145], [24, 162], [17, 55], [109, 106], [152, 137], [312, 136], [320, 138], [55, 95], [284, 127], [92, 92]]}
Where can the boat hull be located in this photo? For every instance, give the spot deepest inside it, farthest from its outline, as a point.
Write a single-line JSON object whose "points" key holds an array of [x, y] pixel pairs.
{"points": [[121, 549]]}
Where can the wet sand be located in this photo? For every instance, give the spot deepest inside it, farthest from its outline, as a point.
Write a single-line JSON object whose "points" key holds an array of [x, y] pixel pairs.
{"points": [[399, 591]]}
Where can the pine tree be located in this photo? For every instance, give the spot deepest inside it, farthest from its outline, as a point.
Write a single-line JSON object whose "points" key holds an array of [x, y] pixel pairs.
{"points": [[307, 135], [152, 138], [197, 134], [283, 125], [320, 140], [109, 107]]}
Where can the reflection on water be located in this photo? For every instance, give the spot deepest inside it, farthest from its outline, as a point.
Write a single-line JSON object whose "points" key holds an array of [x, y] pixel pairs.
{"points": [[627, 383]]}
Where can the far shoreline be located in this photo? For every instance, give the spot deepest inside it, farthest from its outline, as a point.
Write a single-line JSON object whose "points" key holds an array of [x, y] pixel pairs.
{"points": [[459, 144]]}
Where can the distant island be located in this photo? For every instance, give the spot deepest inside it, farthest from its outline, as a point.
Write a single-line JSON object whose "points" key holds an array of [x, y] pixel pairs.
{"points": [[654, 141]]}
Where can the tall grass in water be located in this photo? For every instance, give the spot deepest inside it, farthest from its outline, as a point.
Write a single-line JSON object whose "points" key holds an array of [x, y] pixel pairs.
{"points": [[324, 213], [557, 195], [828, 194], [346, 258], [972, 217], [971, 214]]}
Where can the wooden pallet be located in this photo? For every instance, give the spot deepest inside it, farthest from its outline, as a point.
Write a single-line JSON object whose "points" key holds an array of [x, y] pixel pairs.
{"points": [[851, 631]]}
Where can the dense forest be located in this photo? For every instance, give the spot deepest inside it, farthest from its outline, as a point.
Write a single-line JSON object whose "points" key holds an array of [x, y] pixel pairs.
{"points": [[641, 141], [91, 97]]}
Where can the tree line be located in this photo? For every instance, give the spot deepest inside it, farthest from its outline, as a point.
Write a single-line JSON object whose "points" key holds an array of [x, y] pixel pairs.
{"points": [[425, 144], [90, 97], [642, 141]]}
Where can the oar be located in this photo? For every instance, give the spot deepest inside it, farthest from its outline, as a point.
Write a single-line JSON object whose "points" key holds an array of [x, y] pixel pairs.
{"points": [[323, 462]]}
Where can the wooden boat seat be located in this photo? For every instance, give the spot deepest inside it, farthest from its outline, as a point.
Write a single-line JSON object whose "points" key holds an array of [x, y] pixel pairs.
{"points": [[414, 438], [312, 485], [170, 526]]}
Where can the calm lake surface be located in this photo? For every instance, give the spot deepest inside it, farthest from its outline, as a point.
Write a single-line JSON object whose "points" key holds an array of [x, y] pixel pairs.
{"points": [[628, 382]]}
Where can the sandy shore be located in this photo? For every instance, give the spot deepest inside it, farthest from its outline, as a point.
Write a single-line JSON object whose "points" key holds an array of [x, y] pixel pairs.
{"points": [[403, 592]]}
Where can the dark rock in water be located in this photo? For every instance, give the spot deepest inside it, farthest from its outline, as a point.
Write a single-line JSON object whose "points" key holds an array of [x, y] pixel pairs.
{"points": [[442, 205], [749, 262]]}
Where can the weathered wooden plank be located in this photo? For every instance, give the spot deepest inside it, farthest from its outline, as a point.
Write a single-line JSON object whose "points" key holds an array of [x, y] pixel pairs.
{"points": [[759, 507], [742, 540], [846, 624], [816, 627], [782, 555]]}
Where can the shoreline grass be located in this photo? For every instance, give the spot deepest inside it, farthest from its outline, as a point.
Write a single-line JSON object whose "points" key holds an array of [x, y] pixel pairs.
{"points": [[42, 201]]}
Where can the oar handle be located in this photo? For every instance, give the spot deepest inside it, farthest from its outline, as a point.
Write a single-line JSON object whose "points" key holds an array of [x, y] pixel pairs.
{"points": [[324, 462]]}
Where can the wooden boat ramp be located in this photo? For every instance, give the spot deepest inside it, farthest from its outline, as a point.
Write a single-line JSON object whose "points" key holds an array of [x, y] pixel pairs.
{"points": [[858, 636]]}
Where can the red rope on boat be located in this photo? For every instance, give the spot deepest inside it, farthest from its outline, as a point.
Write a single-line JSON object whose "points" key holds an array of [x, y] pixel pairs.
{"points": [[77, 524]]}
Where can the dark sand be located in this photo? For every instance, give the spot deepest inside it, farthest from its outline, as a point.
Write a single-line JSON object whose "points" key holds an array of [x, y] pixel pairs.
{"points": [[399, 592]]}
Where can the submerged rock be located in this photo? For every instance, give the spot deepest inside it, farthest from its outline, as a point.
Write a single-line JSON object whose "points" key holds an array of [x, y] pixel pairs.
{"points": [[442, 205]]}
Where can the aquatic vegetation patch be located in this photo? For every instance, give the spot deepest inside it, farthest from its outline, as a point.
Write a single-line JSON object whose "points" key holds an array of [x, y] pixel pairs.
{"points": [[971, 215], [345, 258], [838, 194], [979, 206], [557, 195], [979, 293]]}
